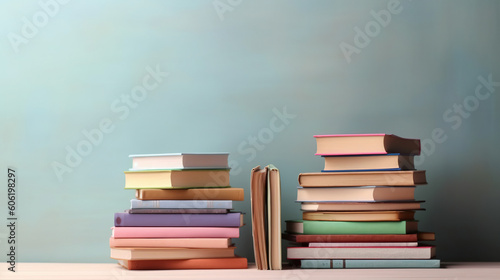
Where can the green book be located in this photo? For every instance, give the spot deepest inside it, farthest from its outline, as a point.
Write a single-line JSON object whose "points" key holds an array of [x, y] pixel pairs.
{"points": [[431, 263], [336, 227]]}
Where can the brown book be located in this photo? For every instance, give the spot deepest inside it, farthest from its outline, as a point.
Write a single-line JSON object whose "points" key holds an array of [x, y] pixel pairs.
{"points": [[359, 216], [258, 181], [209, 263], [361, 206], [352, 144], [367, 178], [367, 193], [266, 216], [187, 178], [307, 238], [236, 194]]}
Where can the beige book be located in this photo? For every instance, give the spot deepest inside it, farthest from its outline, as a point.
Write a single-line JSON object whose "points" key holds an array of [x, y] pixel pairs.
{"points": [[366, 178], [360, 206], [367, 193], [164, 179], [170, 253], [213, 193]]}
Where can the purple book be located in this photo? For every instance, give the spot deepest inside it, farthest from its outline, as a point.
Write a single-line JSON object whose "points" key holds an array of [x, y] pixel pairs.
{"points": [[232, 219]]}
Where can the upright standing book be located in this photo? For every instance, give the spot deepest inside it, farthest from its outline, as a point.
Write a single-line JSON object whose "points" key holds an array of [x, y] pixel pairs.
{"points": [[266, 217]]}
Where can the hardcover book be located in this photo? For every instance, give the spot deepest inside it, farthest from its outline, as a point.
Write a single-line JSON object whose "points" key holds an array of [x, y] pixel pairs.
{"points": [[180, 161], [336, 263], [212, 193], [362, 206], [345, 179], [420, 252], [170, 242], [352, 144], [334, 227], [206, 263], [362, 244], [170, 253], [164, 179], [364, 193], [175, 232], [177, 211], [266, 217], [178, 220], [359, 216], [135, 203], [368, 162], [308, 238]]}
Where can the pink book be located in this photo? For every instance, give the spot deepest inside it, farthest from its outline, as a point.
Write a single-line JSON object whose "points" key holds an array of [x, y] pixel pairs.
{"points": [[170, 242], [175, 232], [365, 144]]}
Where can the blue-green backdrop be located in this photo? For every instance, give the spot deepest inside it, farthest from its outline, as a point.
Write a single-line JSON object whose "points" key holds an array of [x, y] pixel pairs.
{"points": [[86, 83]]}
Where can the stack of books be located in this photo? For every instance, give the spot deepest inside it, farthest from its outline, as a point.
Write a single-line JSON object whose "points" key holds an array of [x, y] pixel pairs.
{"points": [[180, 218], [359, 211]]}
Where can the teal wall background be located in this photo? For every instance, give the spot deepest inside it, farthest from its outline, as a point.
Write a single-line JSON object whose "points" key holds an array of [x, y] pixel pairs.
{"points": [[233, 67]]}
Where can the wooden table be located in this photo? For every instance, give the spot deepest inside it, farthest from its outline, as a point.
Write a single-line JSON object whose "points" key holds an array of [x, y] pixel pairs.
{"points": [[108, 271]]}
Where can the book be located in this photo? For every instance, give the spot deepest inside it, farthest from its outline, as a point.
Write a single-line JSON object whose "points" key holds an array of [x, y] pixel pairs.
{"points": [[362, 206], [177, 211], [212, 193], [335, 227], [178, 220], [258, 179], [362, 244], [368, 162], [352, 144], [265, 192], [308, 238], [345, 179], [359, 216], [274, 217], [175, 232], [170, 242], [180, 161], [170, 253], [364, 193], [164, 179], [335, 263], [136, 203], [420, 252], [426, 236], [207, 263]]}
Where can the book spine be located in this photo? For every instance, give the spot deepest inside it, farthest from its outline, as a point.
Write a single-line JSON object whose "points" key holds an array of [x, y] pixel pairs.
{"points": [[177, 220], [135, 203], [335, 263], [175, 232], [334, 227], [431, 263], [212, 263]]}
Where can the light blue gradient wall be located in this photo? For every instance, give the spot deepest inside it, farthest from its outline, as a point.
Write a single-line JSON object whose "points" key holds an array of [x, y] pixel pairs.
{"points": [[226, 76]]}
